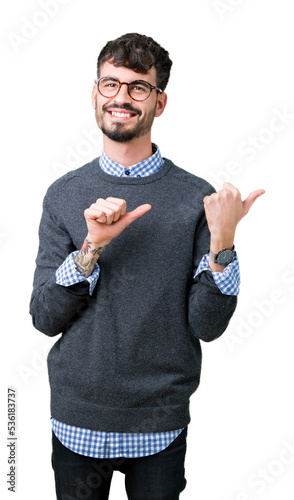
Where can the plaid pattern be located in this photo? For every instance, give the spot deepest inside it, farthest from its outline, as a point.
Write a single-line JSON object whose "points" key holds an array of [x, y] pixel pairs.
{"points": [[99, 444], [229, 280], [112, 444], [142, 169], [67, 274]]}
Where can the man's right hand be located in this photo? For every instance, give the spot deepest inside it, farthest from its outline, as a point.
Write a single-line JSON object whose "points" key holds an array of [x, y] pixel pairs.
{"points": [[105, 220]]}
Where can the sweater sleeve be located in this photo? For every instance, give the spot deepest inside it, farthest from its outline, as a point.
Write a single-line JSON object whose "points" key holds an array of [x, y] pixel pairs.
{"points": [[52, 306], [209, 310], [229, 280]]}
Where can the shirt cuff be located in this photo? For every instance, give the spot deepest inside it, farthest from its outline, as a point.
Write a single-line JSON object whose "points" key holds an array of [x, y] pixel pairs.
{"points": [[229, 280], [67, 274]]}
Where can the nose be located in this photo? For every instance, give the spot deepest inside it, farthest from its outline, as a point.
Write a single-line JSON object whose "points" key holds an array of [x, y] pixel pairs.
{"points": [[123, 94]]}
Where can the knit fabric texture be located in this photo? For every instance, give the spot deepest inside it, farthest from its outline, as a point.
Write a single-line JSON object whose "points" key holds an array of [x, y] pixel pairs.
{"points": [[129, 356]]}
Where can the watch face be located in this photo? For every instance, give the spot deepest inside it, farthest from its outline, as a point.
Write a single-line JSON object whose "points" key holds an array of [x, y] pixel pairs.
{"points": [[225, 257]]}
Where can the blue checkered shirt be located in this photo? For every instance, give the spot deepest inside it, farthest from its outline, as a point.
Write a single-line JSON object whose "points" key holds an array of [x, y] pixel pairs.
{"points": [[100, 444]]}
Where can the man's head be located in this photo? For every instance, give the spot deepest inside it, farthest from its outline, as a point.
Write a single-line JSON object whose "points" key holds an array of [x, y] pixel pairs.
{"points": [[128, 58], [139, 53]]}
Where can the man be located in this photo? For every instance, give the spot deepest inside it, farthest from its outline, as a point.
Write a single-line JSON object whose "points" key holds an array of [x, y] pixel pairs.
{"points": [[136, 265]]}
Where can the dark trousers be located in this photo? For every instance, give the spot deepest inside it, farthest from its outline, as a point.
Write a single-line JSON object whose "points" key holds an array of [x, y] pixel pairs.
{"points": [[156, 477]]}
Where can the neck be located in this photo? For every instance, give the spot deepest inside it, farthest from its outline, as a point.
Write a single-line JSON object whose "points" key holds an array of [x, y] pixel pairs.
{"points": [[128, 153]]}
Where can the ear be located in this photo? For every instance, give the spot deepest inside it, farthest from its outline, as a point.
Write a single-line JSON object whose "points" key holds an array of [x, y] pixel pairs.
{"points": [[161, 103], [94, 95]]}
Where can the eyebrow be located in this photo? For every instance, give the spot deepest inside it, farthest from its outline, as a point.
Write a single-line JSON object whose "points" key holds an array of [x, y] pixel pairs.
{"points": [[110, 78]]}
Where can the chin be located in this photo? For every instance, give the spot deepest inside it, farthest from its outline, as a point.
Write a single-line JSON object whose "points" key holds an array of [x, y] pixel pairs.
{"points": [[119, 135]]}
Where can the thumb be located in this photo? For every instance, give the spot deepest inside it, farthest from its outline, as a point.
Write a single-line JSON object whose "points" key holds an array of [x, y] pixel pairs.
{"points": [[130, 217], [247, 204]]}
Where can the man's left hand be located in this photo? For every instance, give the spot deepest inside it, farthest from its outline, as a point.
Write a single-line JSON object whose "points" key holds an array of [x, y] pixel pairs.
{"points": [[223, 211]]}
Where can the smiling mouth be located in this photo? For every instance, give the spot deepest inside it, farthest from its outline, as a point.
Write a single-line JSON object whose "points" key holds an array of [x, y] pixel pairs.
{"points": [[122, 114]]}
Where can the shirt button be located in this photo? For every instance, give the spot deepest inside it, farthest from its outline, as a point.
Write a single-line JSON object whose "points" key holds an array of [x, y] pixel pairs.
{"points": [[127, 172], [138, 175]]}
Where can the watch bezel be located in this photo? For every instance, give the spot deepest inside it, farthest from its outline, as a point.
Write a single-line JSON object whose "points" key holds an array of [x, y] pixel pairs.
{"points": [[216, 258]]}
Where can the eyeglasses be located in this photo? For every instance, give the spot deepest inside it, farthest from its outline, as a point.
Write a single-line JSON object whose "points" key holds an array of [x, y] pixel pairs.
{"points": [[138, 90]]}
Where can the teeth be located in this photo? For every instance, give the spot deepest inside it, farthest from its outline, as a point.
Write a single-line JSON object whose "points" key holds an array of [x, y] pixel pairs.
{"points": [[120, 115]]}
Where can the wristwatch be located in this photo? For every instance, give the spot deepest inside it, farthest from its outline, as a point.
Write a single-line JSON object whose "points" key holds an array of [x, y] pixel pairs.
{"points": [[224, 257]]}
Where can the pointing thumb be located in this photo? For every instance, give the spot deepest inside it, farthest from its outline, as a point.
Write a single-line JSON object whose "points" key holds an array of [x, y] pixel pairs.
{"points": [[247, 204], [130, 217]]}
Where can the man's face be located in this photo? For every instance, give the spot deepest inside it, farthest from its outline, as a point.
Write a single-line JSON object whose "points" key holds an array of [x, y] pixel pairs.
{"points": [[121, 118]]}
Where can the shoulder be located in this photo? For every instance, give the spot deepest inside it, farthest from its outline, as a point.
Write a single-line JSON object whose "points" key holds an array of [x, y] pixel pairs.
{"points": [[190, 181], [58, 188]]}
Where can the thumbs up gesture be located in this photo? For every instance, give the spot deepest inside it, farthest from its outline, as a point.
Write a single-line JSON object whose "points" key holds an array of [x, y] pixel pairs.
{"points": [[223, 211], [105, 220]]}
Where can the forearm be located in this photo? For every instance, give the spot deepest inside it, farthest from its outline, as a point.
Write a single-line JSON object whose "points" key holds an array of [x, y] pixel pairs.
{"points": [[213, 295], [87, 257], [53, 307], [209, 310]]}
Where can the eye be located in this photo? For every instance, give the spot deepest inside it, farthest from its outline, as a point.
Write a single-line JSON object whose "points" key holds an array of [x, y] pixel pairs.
{"points": [[140, 87], [108, 83]]}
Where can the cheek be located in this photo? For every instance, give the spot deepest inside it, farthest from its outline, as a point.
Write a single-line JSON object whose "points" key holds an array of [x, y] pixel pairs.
{"points": [[98, 114], [152, 112], [99, 108], [100, 102], [148, 111]]}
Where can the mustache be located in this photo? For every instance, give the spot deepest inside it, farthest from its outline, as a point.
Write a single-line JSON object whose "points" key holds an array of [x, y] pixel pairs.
{"points": [[126, 106]]}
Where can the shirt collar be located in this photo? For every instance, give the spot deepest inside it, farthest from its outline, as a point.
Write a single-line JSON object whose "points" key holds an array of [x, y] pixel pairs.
{"points": [[141, 169]]}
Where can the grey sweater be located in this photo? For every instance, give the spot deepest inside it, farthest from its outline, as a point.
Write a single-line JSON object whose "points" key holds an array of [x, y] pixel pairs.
{"points": [[129, 356]]}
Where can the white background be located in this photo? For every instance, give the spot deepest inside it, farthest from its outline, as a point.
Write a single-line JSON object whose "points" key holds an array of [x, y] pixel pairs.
{"points": [[232, 74]]}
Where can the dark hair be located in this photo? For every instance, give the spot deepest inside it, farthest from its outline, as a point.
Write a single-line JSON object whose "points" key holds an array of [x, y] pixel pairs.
{"points": [[139, 53]]}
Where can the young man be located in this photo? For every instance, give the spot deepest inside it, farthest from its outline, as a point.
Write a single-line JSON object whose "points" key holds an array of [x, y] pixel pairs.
{"points": [[136, 265]]}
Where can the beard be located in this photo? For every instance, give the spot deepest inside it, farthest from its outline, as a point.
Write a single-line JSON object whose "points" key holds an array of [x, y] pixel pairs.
{"points": [[118, 134], [121, 131]]}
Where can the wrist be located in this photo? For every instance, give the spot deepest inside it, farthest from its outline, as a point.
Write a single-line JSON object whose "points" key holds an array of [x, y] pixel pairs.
{"points": [[95, 244], [87, 257], [219, 243]]}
